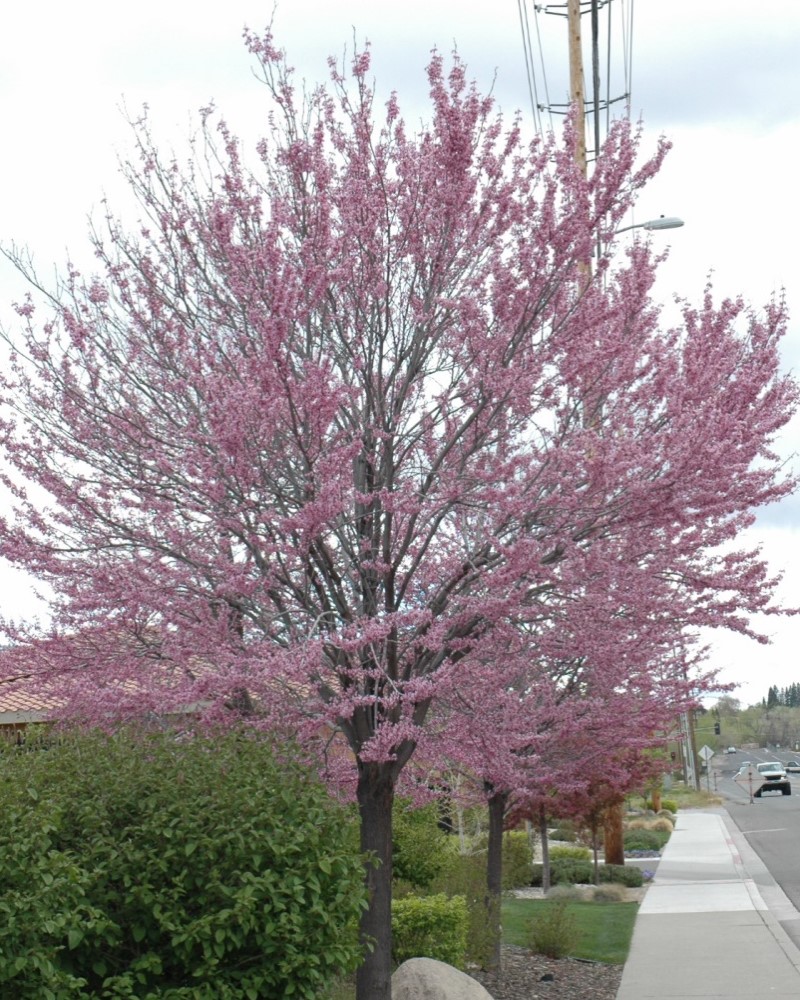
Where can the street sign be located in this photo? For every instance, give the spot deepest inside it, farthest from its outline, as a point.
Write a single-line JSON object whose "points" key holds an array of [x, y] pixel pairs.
{"points": [[750, 780], [706, 753]]}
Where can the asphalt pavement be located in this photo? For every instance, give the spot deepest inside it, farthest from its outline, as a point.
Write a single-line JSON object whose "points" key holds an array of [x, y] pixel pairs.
{"points": [[710, 924]]}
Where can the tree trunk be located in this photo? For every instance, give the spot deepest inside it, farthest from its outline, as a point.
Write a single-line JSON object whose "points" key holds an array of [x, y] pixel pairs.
{"points": [[375, 794], [494, 877], [655, 797], [545, 850], [613, 846], [462, 837]]}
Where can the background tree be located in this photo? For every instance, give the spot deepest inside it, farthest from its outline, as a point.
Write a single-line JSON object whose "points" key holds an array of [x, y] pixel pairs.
{"points": [[312, 433]]}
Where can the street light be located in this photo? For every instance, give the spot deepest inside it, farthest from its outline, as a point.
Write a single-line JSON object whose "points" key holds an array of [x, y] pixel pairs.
{"points": [[662, 222]]}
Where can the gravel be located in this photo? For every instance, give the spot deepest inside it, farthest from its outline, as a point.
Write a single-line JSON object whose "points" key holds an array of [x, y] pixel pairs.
{"points": [[524, 976]]}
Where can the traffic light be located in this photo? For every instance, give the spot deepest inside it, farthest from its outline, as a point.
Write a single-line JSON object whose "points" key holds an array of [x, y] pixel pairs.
{"points": [[716, 728]]}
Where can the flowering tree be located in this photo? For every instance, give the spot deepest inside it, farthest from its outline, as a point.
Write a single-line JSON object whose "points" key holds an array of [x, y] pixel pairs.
{"points": [[313, 433], [550, 730]]}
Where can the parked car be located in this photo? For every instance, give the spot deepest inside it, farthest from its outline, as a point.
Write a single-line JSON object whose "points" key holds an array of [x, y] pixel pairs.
{"points": [[731, 750], [792, 766], [774, 776]]}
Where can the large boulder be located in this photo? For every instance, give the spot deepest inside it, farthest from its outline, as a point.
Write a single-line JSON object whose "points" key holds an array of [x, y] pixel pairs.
{"points": [[427, 979]]}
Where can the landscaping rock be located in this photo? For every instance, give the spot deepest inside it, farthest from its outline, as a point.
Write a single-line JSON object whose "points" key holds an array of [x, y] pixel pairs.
{"points": [[427, 979]]}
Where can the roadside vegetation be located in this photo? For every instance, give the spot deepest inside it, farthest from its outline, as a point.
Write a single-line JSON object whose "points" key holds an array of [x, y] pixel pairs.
{"points": [[121, 870], [773, 722], [692, 798], [134, 865], [596, 931]]}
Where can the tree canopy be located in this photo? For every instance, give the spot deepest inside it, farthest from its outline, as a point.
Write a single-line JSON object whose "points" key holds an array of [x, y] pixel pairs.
{"points": [[321, 435]]}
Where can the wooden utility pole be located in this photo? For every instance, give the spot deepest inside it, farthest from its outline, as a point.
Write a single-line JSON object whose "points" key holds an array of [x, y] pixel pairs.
{"points": [[577, 93]]}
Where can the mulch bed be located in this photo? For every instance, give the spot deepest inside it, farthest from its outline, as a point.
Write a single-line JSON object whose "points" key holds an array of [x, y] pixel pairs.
{"points": [[525, 976]]}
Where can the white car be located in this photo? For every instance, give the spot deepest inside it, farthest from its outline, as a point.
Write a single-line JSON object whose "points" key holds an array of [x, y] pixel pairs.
{"points": [[774, 777], [792, 766]]}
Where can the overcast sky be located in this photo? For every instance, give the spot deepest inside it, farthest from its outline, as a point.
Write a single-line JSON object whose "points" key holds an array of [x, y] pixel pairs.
{"points": [[720, 78]]}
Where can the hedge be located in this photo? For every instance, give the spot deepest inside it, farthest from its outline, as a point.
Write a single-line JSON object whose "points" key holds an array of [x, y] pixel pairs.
{"points": [[573, 872], [430, 927], [421, 849]]}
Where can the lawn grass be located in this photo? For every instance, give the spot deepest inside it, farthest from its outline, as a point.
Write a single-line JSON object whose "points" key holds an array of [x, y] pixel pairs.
{"points": [[686, 797], [604, 929], [604, 933], [343, 989]]}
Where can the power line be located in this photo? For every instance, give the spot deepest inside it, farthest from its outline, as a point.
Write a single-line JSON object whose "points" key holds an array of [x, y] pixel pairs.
{"points": [[600, 99], [529, 67]]}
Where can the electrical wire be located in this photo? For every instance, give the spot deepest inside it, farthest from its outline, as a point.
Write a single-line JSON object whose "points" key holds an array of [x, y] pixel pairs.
{"points": [[536, 66], [548, 106], [627, 45], [529, 67]]}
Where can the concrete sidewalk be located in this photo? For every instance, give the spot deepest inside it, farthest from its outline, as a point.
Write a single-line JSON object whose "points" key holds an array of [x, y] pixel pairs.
{"points": [[705, 929]]}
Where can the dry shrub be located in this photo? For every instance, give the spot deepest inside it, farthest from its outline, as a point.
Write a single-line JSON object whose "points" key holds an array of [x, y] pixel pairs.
{"points": [[571, 893], [611, 892], [662, 824]]}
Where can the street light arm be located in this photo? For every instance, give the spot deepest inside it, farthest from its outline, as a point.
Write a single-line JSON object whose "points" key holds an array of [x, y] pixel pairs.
{"points": [[662, 222]]}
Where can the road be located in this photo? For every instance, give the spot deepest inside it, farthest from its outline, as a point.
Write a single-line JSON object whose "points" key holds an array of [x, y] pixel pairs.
{"points": [[771, 823]]}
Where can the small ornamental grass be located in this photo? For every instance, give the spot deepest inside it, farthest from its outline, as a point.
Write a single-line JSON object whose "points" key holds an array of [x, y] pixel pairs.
{"points": [[604, 929], [554, 932], [572, 893], [611, 892], [662, 825]]}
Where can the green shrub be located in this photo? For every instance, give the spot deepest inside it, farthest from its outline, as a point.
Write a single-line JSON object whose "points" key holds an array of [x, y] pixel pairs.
{"points": [[517, 856], [628, 875], [465, 876], [644, 840], [564, 831], [134, 866], [571, 853], [430, 927], [670, 805], [554, 932], [569, 872], [517, 859], [421, 849]]}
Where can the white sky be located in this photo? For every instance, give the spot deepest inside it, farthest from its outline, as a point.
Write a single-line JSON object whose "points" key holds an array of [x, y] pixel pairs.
{"points": [[720, 78]]}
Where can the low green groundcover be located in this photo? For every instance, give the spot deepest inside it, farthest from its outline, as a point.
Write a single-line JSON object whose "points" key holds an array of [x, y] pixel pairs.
{"points": [[604, 930]]}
